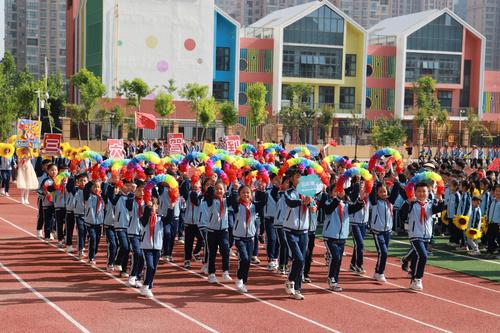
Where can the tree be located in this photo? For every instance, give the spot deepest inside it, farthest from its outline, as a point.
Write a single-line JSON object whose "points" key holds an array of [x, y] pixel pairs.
{"points": [[164, 104], [195, 93], [427, 103], [7, 100], [386, 133], [325, 119], [207, 113], [442, 124], [134, 91], [115, 114], [57, 97], [77, 115], [474, 125], [298, 115], [257, 101], [91, 89], [228, 113]]}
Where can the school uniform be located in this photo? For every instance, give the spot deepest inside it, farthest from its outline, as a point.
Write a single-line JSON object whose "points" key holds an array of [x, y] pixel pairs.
{"points": [[493, 225], [270, 201], [420, 228], [381, 222], [217, 225], [296, 227], [464, 207], [78, 208], [336, 231], [244, 233], [311, 234], [475, 223], [109, 227], [192, 232], [280, 233], [6, 165], [152, 242], [170, 228], [201, 222], [358, 222], [134, 233], [122, 218], [60, 212], [40, 220], [46, 187], [451, 211], [70, 216], [94, 218]]}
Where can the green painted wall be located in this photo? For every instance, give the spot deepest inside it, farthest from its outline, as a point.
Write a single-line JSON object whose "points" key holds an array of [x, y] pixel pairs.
{"points": [[93, 38]]}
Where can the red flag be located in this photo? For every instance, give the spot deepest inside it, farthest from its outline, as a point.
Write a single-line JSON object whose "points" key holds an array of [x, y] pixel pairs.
{"points": [[145, 120]]}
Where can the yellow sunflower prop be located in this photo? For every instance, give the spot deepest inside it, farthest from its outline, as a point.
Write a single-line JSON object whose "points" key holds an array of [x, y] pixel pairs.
{"points": [[461, 221], [473, 233], [484, 225], [7, 150], [444, 219]]}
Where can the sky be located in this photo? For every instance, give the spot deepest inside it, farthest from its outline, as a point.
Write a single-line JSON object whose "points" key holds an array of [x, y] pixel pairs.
{"points": [[2, 27]]}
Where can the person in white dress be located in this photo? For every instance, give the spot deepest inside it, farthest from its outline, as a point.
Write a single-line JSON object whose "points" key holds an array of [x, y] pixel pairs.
{"points": [[26, 176]]}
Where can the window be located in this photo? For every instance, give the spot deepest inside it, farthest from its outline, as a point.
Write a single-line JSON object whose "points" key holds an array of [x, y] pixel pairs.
{"points": [[442, 34], [221, 91], [350, 65], [409, 98], [323, 27], [222, 59], [444, 97], [444, 68], [347, 97], [312, 62], [465, 92], [326, 95]]}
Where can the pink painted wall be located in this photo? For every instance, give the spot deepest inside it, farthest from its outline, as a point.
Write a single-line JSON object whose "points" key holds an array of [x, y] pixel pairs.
{"points": [[472, 51], [492, 81]]}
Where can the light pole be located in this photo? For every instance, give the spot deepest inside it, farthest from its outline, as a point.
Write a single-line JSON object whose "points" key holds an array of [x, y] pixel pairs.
{"points": [[356, 127], [461, 112], [111, 117]]}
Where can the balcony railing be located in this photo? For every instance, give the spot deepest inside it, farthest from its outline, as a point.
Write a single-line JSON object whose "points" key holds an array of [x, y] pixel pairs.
{"points": [[381, 40], [337, 108], [261, 33], [452, 112]]}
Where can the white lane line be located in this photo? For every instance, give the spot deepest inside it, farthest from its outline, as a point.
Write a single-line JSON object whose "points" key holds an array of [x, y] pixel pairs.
{"points": [[426, 294], [388, 263], [249, 295], [434, 275], [154, 299], [366, 303], [63, 313]]}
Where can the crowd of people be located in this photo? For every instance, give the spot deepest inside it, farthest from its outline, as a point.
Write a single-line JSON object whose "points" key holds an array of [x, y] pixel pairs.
{"points": [[228, 210]]}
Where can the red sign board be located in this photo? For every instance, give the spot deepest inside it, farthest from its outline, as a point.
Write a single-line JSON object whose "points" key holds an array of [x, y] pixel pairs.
{"points": [[232, 142], [51, 144], [175, 143], [115, 148]]}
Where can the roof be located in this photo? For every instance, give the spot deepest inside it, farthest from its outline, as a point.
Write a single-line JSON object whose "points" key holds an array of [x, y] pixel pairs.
{"points": [[407, 24], [227, 17], [284, 17], [396, 26]]}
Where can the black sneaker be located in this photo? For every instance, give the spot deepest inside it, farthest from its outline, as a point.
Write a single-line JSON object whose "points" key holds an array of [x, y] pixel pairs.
{"points": [[306, 279], [197, 257]]}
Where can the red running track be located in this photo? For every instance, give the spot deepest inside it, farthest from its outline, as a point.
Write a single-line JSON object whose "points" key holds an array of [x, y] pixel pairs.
{"points": [[45, 289]]}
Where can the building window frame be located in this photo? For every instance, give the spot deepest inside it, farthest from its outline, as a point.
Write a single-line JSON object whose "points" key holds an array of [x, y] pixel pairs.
{"points": [[347, 97], [223, 59], [350, 65], [220, 90]]}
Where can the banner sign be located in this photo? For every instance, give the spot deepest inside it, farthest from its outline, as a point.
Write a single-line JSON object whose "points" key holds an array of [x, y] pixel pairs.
{"points": [[175, 143], [232, 142], [309, 185], [115, 148], [28, 134], [51, 144]]}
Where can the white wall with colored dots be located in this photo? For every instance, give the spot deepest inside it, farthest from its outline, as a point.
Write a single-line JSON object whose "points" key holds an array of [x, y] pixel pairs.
{"points": [[158, 40]]}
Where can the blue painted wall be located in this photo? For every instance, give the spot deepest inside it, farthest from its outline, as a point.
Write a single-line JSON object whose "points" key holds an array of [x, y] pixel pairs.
{"points": [[225, 36]]}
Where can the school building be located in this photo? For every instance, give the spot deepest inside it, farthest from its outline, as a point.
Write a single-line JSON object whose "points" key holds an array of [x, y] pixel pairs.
{"points": [[363, 74]]}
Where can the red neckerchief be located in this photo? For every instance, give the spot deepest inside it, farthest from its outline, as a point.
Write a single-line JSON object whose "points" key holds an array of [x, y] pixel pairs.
{"points": [[152, 223], [99, 202], [221, 208], [139, 204], [303, 208], [423, 215], [389, 205], [247, 210]]}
